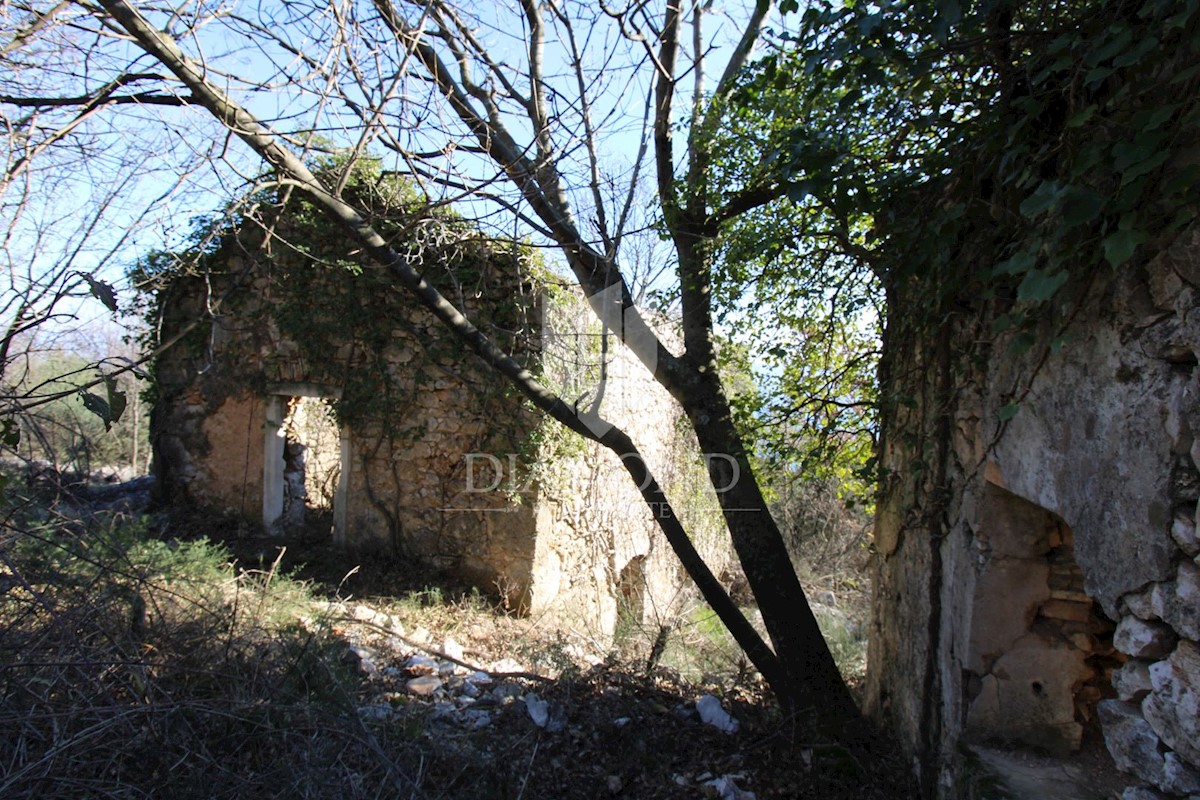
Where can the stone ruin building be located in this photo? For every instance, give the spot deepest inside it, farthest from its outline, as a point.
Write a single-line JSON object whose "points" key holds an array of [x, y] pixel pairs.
{"points": [[1038, 580], [310, 396]]}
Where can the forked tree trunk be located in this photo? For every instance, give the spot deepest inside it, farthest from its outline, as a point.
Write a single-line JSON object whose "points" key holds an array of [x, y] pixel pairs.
{"points": [[800, 670]]}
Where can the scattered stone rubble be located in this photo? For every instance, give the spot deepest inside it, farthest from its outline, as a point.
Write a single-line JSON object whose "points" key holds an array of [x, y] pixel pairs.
{"points": [[406, 671]]}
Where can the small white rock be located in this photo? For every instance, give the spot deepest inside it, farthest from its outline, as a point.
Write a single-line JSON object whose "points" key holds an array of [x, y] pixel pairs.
{"points": [[553, 719], [507, 665], [711, 713], [478, 679], [359, 659], [539, 709], [725, 788], [424, 685], [452, 649]]}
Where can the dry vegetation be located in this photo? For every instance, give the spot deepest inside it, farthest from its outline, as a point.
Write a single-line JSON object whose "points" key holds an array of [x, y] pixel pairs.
{"points": [[133, 666]]}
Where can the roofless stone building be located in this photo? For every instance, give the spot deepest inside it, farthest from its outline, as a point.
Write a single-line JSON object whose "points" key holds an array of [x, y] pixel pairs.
{"points": [[307, 393]]}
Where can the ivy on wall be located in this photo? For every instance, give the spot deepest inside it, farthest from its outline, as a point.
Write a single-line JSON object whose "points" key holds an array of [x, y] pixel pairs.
{"points": [[275, 270], [1060, 134]]}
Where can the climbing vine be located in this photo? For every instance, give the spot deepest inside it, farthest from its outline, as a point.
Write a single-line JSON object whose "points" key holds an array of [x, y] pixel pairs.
{"points": [[275, 262]]}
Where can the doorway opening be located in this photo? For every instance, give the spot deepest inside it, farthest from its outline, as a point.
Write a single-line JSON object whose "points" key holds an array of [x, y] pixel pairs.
{"points": [[305, 465], [1041, 654], [631, 585]]}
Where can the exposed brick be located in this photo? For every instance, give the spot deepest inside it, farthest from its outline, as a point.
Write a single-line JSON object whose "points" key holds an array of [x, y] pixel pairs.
{"points": [[1066, 610]]}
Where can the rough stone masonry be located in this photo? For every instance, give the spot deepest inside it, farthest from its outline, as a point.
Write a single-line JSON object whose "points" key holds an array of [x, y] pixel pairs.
{"points": [[434, 459], [1039, 581]]}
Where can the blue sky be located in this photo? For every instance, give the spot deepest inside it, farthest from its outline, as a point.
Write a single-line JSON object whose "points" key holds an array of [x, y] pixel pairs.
{"points": [[173, 164]]}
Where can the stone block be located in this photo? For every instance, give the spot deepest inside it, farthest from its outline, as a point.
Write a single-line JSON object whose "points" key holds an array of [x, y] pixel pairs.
{"points": [[1183, 531], [1066, 610], [1071, 596], [1143, 793], [1132, 681], [1136, 749], [1173, 706], [1142, 639], [1179, 776], [1140, 604], [1178, 602], [1131, 740]]}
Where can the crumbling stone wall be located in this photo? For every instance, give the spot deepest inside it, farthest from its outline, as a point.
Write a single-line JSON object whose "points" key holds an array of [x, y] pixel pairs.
{"points": [[1037, 571], [389, 372], [443, 462], [1038, 653], [599, 551]]}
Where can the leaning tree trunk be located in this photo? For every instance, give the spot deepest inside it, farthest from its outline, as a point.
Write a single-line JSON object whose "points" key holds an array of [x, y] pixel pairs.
{"points": [[812, 683], [801, 670]]}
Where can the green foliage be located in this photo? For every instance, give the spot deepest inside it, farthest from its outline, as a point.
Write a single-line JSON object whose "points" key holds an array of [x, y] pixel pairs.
{"points": [[700, 647], [847, 641], [1060, 129], [82, 428], [121, 559], [278, 252], [807, 324], [985, 152], [134, 662]]}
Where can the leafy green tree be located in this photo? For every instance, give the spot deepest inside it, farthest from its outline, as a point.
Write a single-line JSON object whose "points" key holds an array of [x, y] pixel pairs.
{"points": [[1051, 135], [981, 150]]}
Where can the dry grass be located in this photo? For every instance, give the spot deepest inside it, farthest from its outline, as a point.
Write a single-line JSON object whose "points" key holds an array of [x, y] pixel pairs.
{"points": [[131, 667]]}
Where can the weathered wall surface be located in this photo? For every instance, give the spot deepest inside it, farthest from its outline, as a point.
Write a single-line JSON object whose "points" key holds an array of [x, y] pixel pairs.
{"points": [[445, 464], [599, 551], [409, 426], [1038, 575]]}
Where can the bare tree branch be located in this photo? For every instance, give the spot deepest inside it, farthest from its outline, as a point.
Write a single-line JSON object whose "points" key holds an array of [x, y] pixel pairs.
{"points": [[257, 137]]}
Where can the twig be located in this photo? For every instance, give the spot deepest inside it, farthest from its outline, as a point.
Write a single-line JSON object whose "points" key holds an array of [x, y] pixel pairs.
{"points": [[532, 676], [529, 769]]}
